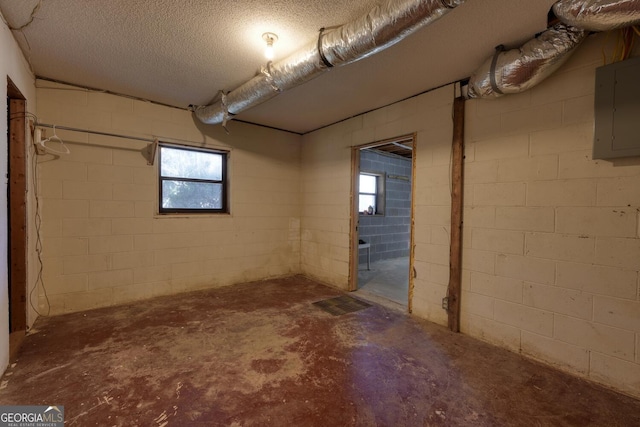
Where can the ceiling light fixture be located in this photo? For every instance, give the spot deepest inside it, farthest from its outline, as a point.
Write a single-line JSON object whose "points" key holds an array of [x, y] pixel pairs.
{"points": [[270, 38]]}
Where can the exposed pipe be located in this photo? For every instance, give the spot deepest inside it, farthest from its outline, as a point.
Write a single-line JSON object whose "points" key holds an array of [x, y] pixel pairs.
{"points": [[517, 70], [520, 69], [598, 15], [385, 25], [397, 144]]}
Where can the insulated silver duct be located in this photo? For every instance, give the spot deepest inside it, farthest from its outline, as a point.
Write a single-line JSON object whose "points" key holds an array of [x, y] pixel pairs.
{"points": [[517, 70], [598, 15], [385, 25]]}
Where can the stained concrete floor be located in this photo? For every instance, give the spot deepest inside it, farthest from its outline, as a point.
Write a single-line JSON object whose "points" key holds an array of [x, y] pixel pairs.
{"points": [[260, 354], [387, 278]]}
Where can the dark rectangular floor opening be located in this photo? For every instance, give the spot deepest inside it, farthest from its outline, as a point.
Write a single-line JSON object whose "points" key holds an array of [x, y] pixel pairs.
{"points": [[341, 305]]}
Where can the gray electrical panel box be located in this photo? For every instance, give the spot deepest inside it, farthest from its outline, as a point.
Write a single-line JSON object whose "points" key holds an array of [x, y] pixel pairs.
{"points": [[617, 110]]}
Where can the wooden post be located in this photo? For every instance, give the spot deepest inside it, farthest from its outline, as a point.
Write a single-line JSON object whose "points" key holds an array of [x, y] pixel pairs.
{"points": [[354, 254], [412, 241], [455, 255], [17, 215]]}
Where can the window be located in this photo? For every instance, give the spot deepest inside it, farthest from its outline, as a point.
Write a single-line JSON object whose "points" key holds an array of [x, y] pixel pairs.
{"points": [[192, 180], [371, 194]]}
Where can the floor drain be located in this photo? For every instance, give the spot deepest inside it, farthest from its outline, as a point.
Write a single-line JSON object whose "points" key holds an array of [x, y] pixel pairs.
{"points": [[341, 305]]}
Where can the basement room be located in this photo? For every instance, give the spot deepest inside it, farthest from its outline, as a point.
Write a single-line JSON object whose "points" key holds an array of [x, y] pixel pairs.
{"points": [[320, 213]]}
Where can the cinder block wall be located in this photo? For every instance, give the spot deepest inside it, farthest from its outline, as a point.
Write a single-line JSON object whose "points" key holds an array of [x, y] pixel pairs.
{"points": [[551, 237], [326, 175], [388, 234], [104, 242], [551, 243]]}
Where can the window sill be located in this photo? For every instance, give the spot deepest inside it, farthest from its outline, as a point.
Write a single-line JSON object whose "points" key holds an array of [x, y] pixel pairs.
{"points": [[177, 215]]}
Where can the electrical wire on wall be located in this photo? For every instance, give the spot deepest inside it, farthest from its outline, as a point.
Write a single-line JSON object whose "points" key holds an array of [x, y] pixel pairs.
{"points": [[39, 247], [37, 219]]}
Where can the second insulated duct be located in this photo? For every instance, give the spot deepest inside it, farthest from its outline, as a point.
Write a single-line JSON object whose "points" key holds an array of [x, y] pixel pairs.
{"points": [[382, 27], [517, 70], [520, 69]]}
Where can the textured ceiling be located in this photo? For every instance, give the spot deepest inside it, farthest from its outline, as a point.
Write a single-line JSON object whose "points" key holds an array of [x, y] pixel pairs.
{"points": [[184, 52]]}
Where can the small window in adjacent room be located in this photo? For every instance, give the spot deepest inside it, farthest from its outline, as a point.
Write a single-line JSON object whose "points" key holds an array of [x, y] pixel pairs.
{"points": [[371, 194], [192, 180]]}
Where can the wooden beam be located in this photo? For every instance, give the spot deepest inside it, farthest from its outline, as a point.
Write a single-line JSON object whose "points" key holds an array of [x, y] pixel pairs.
{"points": [[455, 255], [12, 90], [412, 241], [17, 215], [354, 254]]}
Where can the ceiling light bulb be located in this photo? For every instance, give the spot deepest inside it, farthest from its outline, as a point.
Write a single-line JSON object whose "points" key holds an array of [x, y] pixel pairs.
{"points": [[268, 52], [270, 39]]}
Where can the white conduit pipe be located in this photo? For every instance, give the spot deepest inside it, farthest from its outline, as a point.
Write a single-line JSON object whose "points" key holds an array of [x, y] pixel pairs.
{"points": [[384, 26]]}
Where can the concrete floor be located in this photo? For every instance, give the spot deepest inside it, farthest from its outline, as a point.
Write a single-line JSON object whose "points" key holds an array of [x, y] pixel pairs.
{"points": [[387, 278], [260, 354]]}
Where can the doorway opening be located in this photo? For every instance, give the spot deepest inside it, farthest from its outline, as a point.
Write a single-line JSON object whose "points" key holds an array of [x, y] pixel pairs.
{"points": [[16, 216], [382, 219]]}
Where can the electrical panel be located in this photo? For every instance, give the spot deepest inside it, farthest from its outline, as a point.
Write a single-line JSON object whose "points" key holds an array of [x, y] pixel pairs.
{"points": [[617, 110]]}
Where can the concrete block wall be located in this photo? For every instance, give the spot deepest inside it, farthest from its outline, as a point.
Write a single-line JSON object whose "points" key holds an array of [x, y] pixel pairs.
{"points": [[551, 253], [325, 208], [388, 234], [103, 241], [326, 177], [557, 231]]}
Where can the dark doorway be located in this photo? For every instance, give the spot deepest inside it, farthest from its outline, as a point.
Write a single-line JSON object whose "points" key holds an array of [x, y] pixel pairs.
{"points": [[383, 219], [16, 215]]}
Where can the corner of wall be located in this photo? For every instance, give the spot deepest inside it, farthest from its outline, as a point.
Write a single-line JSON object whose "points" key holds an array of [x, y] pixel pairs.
{"points": [[14, 65]]}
